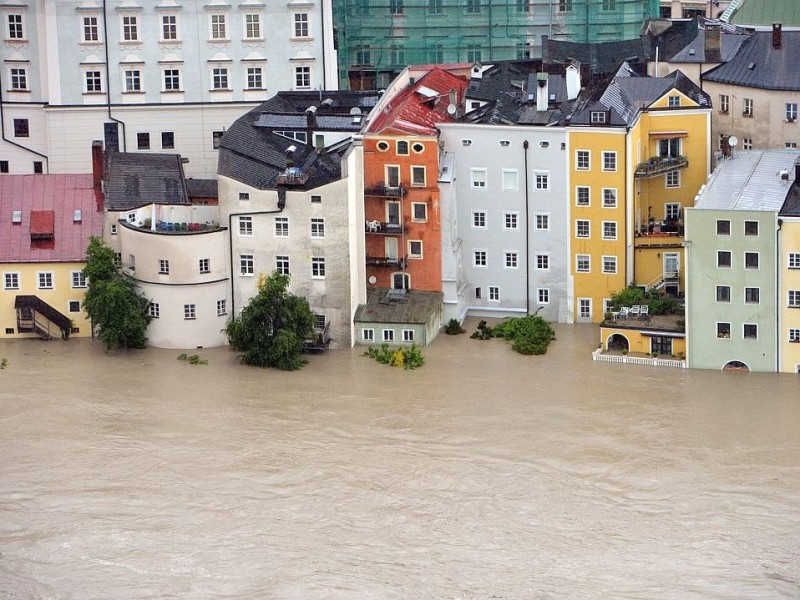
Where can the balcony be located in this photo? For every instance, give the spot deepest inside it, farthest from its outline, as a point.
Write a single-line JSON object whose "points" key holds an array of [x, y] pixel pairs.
{"points": [[394, 262], [384, 191], [293, 176], [383, 228], [658, 165]]}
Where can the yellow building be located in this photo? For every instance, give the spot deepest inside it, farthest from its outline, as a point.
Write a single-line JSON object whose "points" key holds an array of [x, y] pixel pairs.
{"points": [[789, 275], [639, 155], [45, 225]]}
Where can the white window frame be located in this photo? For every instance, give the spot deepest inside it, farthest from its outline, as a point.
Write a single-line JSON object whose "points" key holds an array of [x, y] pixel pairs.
{"points": [[610, 230], [511, 260], [480, 258], [254, 77], [510, 220], [204, 265], [748, 290], [510, 180], [793, 299], [367, 334], [218, 27], [541, 221], [387, 336], [672, 211], [132, 81], [301, 25], [790, 112], [579, 191], [543, 261], [282, 264], [542, 295], [247, 265], [541, 181], [758, 260], [220, 78], [609, 161], [168, 78], [11, 280], [730, 256], [408, 336], [318, 267], [18, 79], [415, 171], [414, 207], [793, 260], [579, 156], [93, 78], [281, 228], [672, 179], [724, 103], [479, 215], [581, 259], [610, 197], [582, 225], [609, 265], [584, 308], [155, 310], [90, 29], [317, 227], [793, 336], [169, 31], [78, 280], [494, 293], [747, 107], [478, 178], [302, 77], [722, 293], [245, 226], [721, 334], [189, 312], [251, 26], [222, 308], [412, 251], [744, 330], [129, 29], [45, 280]]}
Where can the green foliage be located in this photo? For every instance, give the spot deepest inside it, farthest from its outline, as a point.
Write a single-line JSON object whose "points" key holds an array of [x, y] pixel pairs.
{"points": [[119, 312], [194, 359], [657, 303], [484, 332], [528, 335], [628, 297], [272, 327], [453, 327], [3, 363], [664, 305], [408, 358]]}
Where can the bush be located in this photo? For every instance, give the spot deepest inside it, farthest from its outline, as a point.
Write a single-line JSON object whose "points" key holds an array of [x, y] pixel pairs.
{"points": [[453, 327], [484, 332], [408, 358], [528, 335], [194, 359]]}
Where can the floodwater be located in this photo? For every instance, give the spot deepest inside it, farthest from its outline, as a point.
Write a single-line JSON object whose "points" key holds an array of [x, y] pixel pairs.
{"points": [[485, 474]]}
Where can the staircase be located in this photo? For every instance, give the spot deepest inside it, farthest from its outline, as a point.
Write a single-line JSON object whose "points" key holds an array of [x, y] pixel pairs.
{"points": [[34, 315]]}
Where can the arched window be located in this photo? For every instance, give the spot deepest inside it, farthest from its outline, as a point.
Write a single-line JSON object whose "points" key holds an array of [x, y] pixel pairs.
{"points": [[401, 281]]}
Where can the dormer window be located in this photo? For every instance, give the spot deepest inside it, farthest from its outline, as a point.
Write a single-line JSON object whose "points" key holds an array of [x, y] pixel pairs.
{"points": [[598, 116]]}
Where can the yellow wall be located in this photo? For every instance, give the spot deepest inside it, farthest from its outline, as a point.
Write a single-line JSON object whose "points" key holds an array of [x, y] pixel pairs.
{"points": [[58, 297], [790, 280], [637, 342]]}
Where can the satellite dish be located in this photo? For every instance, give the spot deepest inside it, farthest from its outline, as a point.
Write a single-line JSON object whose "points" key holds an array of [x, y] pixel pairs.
{"points": [[732, 141], [451, 109], [373, 280]]}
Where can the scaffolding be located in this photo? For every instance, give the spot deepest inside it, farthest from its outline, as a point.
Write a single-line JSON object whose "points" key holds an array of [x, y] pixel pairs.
{"points": [[376, 39]]}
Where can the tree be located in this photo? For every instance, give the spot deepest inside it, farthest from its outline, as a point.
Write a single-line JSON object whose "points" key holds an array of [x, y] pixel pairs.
{"points": [[273, 326], [119, 312]]}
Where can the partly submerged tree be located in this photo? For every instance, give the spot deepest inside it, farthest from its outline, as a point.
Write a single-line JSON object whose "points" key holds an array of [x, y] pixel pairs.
{"points": [[119, 312], [273, 326]]}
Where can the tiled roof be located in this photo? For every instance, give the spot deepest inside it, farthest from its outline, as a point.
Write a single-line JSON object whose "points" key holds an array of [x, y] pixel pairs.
{"points": [[134, 179], [201, 188], [600, 57], [61, 194], [759, 65]]}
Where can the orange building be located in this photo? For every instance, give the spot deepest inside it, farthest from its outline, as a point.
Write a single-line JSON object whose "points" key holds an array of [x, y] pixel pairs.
{"points": [[401, 190]]}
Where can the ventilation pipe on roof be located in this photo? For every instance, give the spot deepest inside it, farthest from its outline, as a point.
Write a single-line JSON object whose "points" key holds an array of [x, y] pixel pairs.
{"points": [[573, 77], [542, 97], [97, 164], [711, 43], [776, 35]]}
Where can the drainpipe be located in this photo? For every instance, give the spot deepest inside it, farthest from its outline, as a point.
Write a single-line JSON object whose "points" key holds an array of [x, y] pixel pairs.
{"points": [[322, 18], [108, 79], [527, 237], [12, 142], [778, 296]]}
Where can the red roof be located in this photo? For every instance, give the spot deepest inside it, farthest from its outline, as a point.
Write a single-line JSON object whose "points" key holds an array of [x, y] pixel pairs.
{"points": [[415, 110], [47, 202]]}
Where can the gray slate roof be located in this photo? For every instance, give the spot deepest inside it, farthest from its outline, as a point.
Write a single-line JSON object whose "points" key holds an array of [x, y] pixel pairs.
{"points": [[134, 179], [759, 65], [415, 308], [695, 51], [202, 188]]}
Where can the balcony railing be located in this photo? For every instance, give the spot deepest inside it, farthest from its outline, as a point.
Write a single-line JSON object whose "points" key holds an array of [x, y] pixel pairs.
{"points": [[387, 261], [385, 191], [293, 176], [658, 165], [384, 228]]}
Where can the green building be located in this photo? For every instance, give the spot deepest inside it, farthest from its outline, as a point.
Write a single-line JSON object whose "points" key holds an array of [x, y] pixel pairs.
{"points": [[378, 38]]}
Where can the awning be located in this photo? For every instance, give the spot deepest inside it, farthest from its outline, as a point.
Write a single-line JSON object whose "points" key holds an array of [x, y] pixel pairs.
{"points": [[662, 334], [669, 134]]}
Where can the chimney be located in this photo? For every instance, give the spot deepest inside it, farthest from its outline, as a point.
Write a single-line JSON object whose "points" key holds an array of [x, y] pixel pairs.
{"points": [[311, 124], [573, 77], [452, 98], [477, 71], [97, 164], [776, 35], [111, 135], [542, 96], [712, 44]]}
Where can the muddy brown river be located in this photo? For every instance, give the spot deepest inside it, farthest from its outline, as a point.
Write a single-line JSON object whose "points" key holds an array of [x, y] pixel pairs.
{"points": [[485, 474]]}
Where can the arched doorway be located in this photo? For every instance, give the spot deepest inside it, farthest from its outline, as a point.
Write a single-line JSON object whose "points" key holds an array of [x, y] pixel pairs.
{"points": [[735, 365], [618, 342]]}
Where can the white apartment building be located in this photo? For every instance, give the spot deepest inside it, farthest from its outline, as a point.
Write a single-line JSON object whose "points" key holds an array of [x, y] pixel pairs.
{"points": [[174, 75]]}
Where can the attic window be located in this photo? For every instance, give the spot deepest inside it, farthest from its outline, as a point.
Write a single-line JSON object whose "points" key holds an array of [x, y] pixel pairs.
{"points": [[751, 66], [691, 52], [16, 216], [598, 116], [544, 144], [505, 143], [466, 142], [383, 146], [77, 217]]}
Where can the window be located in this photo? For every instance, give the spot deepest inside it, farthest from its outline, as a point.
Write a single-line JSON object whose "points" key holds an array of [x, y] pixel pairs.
{"points": [[609, 161], [790, 144], [564, 5], [302, 78], [673, 179], [367, 335], [723, 227], [582, 160], [3, 166], [747, 107], [723, 259], [494, 293], [582, 228], [90, 30], [510, 220], [414, 249], [167, 140], [543, 295], [317, 227], [143, 141], [408, 335], [794, 336], [673, 101], [130, 29], [419, 212], [11, 281], [542, 221], [21, 128], [791, 112], [582, 263], [435, 7], [542, 262], [74, 306], [318, 267], [751, 228], [542, 182], [672, 211], [479, 258], [189, 311], [794, 299], [418, 176], [216, 139], [585, 308], [252, 26], [750, 331], [723, 330], [281, 226], [362, 52], [609, 197], [78, 279], [163, 266], [524, 49], [478, 178], [246, 264], [398, 54], [794, 260], [301, 25], [282, 264], [155, 310], [473, 7], [669, 147], [609, 230], [436, 53], [723, 293], [747, 143], [724, 103], [221, 308], [38, 166], [205, 265], [751, 260], [255, 78], [133, 80], [582, 195], [392, 176], [169, 28], [478, 293], [387, 335], [597, 117], [45, 281], [94, 82], [219, 27], [510, 180], [219, 78], [117, 259], [172, 80], [752, 295], [246, 226], [609, 265], [19, 79], [316, 199], [511, 260], [479, 219]]}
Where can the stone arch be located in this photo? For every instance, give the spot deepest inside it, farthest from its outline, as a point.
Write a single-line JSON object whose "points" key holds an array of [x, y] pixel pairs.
{"points": [[617, 341], [735, 365]]}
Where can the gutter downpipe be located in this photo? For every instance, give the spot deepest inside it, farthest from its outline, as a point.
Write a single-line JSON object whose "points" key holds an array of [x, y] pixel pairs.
{"points": [[108, 79], [527, 237], [12, 142]]}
